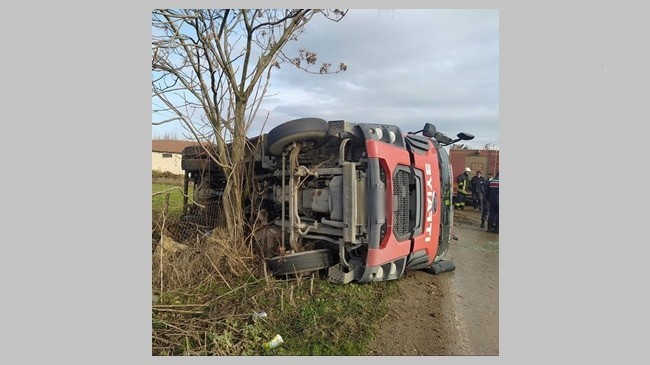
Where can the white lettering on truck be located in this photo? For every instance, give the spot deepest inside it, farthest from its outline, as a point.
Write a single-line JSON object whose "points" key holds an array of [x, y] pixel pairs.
{"points": [[430, 201]]}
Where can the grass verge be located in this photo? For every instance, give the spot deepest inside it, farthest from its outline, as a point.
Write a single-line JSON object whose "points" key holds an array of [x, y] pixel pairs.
{"points": [[175, 191], [206, 301], [206, 295]]}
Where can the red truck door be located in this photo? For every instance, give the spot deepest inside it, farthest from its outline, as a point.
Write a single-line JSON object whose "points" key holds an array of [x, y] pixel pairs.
{"points": [[428, 237]]}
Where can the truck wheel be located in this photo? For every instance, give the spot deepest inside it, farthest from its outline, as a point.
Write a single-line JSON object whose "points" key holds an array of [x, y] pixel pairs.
{"points": [[193, 151], [198, 164], [196, 151], [300, 262], [312, 130]]}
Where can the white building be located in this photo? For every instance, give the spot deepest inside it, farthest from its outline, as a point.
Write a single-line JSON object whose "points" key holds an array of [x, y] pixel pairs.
{"points": [[166, 155]]}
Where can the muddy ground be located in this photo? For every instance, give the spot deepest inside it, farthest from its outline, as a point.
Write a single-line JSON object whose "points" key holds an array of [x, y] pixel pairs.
{"points": [[455, 313]]}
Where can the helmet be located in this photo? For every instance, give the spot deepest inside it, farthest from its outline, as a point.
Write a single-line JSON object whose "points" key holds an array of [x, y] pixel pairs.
{"points": [[467, 169]]}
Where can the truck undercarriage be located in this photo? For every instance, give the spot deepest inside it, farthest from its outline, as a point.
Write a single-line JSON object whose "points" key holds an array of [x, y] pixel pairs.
{"points": [[363, 201]]}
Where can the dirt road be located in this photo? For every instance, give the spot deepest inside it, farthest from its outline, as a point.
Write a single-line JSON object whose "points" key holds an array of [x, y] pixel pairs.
{"points": [[453, 313]]}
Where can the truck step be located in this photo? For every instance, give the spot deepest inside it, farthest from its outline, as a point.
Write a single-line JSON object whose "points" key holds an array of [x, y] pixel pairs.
{"points": [[340, 274]]}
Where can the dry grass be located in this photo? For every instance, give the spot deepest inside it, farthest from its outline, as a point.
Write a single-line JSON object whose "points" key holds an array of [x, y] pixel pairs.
{"points": [[166, 177], [201, 260], [207, 288], [199, 285]]}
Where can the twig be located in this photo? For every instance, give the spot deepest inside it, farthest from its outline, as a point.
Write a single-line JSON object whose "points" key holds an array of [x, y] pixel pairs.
{"points": [[237, 288], [382, 318], [161, 245], [163, 340], [266, 274], [416, 347], [176, 310], [180, 305], [218, 272], [182, 192], [174, 327]]}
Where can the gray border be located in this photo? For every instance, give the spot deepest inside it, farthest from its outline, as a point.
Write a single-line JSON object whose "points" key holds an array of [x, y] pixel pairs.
{"points": [[72, 266]]}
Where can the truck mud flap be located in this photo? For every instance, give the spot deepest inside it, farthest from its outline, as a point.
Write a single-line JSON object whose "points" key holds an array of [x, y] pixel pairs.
{"points": [[441, 267]]}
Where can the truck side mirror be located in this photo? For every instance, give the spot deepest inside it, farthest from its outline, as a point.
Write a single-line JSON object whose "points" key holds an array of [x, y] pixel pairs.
{"points": [[462, 136], [429, 130]]}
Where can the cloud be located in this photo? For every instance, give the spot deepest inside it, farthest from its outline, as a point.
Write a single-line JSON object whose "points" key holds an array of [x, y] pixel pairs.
{"points": [[405, 67]]}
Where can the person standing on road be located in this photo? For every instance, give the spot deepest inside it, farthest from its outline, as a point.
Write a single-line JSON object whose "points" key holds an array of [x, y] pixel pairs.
{"points": [[486, 203], [492, 196], [463, 185], [485, 211], [477, 186]]}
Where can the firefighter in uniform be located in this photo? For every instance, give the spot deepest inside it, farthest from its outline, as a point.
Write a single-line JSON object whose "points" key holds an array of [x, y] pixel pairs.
{"points": [[492, 197], [463, 185]]}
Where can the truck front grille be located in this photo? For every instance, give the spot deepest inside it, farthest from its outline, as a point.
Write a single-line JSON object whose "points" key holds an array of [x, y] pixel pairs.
{"points": [[401, 203]]}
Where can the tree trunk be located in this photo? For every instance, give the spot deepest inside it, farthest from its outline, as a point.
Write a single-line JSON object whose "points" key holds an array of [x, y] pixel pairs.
{"points": [[234, 192]]}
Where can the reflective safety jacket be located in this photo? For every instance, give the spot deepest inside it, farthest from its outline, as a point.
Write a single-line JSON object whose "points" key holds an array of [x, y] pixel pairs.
{"points": [[463, 182]]}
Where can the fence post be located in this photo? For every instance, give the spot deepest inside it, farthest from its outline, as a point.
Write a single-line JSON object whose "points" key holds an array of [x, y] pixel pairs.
{"points": [[162, 236]]}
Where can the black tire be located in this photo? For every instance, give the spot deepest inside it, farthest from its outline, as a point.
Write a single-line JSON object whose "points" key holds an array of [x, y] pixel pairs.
{"points": [[197, 164], [300, 262], [194, 152], [312, 130]]}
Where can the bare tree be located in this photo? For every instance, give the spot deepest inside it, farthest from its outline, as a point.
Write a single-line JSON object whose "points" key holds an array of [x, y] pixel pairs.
{"points": [[210, 71]]}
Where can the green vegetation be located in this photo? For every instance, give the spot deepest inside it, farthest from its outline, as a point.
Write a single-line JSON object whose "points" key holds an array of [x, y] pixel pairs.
{"points": [[313, 316], [330, 320], [175, 199]]}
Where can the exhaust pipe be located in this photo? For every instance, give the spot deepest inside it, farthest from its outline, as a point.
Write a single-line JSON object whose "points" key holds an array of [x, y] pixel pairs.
{"points": [[441, 267]]}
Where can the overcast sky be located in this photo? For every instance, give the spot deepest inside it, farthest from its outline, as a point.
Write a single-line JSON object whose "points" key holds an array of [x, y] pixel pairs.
{"points": [[405, 67]]}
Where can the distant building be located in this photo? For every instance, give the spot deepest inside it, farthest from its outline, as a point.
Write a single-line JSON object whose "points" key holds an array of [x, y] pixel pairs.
{"points": [[477, 158], [166, 155]]}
